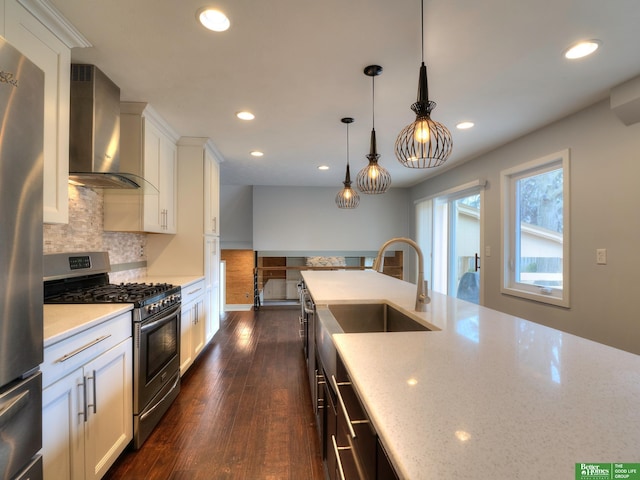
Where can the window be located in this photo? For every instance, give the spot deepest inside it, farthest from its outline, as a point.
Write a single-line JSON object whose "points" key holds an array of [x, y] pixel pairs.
{"points": [[535, 223]]}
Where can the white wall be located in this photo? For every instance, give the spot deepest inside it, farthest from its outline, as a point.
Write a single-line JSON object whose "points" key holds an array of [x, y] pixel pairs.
{"points": [[605, 196], [307, 219]]}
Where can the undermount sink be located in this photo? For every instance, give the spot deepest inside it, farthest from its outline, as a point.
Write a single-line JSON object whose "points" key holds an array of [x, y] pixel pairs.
{"points": [[373, 317]]}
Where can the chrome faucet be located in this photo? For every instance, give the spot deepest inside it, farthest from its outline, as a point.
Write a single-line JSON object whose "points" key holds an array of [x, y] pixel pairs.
{"points": [[422, 299]]}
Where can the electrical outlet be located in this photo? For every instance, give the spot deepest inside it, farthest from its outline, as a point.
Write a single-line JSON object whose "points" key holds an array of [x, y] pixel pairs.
{"points": [[141, 251], [601, 256]]}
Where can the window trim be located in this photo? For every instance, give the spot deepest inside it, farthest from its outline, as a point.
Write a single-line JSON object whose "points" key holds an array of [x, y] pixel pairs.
{"points": [[508, 285]]}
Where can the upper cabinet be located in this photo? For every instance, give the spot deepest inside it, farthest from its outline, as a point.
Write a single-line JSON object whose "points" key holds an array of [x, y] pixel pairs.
{"points": [[194, 249], [36, 29], [147, 149]]}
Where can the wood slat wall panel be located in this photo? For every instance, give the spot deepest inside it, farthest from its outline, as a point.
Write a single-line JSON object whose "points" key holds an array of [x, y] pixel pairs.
{"points": [[239, 276]]}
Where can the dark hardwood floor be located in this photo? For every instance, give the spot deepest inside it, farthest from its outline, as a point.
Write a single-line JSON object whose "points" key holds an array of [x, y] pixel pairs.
{"points": [[244, 410]]}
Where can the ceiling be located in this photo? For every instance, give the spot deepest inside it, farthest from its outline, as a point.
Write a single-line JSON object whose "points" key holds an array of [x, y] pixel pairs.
{"points": [[298, 65]]}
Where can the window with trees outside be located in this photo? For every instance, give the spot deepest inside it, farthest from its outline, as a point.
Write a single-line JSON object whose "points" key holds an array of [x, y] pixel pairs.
{"points": [[535, 222]]}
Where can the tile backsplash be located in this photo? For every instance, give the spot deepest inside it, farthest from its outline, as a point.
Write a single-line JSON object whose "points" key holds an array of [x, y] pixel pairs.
{"points": [[84, 232]]}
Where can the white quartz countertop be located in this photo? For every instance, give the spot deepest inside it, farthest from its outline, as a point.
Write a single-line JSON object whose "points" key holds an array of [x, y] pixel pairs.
{"points": [[487, 395], [64, 320]]}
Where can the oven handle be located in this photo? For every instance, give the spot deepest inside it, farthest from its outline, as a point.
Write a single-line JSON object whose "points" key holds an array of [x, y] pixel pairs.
{"points": [[146, 414], [163, 319]]}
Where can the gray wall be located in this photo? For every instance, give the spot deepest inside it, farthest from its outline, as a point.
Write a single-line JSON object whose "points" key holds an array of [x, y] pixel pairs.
{"points": [[605, 171], [307, 219]]}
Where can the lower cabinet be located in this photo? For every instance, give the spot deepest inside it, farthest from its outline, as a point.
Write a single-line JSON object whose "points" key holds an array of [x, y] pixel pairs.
{"points": [[87, 415], [384, 469], [192, 324], [351, 448]]}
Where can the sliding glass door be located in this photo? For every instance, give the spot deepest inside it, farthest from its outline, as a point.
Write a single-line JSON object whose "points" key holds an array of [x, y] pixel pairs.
{"points": [[449, 231]]}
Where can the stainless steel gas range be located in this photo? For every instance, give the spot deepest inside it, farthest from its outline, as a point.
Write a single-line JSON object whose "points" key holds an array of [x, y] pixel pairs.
{"points": [[84, 278]]}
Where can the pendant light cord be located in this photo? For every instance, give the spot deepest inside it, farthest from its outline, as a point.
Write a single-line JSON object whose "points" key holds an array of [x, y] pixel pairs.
{"points": [[347, 145], [373, 102], [422, 25]]}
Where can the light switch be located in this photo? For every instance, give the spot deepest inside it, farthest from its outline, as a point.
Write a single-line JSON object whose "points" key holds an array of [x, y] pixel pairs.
{"points": [[487, 251], [601, 256]]}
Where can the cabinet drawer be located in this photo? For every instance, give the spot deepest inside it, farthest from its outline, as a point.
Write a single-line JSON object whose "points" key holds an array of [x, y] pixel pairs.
{"points": [[192, 291], [360, 434], [66, 356]]}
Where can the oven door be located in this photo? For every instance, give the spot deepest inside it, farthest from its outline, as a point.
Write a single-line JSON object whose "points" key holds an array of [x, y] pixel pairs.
{"points": [[157, 354]]}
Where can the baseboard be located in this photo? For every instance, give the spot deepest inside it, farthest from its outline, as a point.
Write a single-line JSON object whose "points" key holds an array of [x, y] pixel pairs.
{"points": [[237, 307]]}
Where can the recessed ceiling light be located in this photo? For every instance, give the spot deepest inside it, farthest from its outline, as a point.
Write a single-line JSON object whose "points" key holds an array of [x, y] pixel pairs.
{"points": [[323, 167], [465, 125], [581, 49], [244, 115], [213, 19], [257, 153]]}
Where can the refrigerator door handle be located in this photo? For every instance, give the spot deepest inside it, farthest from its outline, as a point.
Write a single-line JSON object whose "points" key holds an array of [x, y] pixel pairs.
{"points": [[10, 408]]}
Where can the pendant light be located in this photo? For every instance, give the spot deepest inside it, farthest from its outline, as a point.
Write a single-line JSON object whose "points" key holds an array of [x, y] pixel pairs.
{"points": [[373, 178], [347, 197], [424, 143]]}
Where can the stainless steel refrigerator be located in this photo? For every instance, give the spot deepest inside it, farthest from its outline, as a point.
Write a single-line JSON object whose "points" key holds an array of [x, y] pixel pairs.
{"points": [[21, 289]]}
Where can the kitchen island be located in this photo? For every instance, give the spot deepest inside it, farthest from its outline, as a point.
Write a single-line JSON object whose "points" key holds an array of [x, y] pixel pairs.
{"points": [[484, 394]]}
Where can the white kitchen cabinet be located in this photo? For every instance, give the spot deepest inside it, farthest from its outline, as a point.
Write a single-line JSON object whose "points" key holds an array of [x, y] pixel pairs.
{"points": [[212, 279], [147, 149], [194, 250], [87, 413], [42, 34], [192, 324], [211, 194]]}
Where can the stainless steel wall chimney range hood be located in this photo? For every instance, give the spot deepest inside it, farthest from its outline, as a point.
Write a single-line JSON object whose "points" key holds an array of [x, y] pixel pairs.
{"points": [[94, 132]]}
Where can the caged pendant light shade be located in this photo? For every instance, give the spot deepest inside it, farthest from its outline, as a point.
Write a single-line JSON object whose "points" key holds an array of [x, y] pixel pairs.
{"points": [[373, 178], [347, 197], [424, 143]]}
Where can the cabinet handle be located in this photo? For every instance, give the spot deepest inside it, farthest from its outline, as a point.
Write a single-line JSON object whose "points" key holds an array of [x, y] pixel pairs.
{"points": [[350, 423], [93, 379], [84, 399], [67, 356], [194, 291], [319, 401], [214, 224], [336, 450]]}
